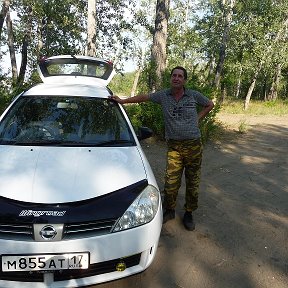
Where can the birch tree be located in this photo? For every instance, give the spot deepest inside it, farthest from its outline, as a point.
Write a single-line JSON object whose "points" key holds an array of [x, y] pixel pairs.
{"points": [[266, 54], [228, 6]]}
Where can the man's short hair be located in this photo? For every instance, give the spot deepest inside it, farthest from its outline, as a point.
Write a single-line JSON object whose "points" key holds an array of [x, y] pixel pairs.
{"points": [[180, 68]]}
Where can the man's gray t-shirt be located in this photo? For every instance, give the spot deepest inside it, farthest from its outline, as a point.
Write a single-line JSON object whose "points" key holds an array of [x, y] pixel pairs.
{"points": [[181, 117]]}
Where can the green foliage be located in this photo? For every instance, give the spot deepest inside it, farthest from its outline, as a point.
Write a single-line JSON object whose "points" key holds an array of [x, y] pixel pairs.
{"points": [[7, 93], [122, 84], [208, 126], [52, 23], [149, 115], [271, 104], [134, 112], [257, 43], [4, 99], [152, 117]]}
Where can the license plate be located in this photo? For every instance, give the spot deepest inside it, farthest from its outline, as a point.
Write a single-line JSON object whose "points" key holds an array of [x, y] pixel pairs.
{"points": [[45, 262]]}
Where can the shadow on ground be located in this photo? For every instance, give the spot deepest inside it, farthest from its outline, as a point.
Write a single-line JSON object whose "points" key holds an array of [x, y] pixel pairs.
{"points": [[241, 232]]}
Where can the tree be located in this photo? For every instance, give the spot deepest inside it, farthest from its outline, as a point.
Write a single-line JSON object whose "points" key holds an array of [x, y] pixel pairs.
{"points": [[24, 51], [240, 46], [250, 52], [42, 28], [142, 38], [4, 10], [11, 47], [91, 28], [266, 55], [273, 93], [111, 38], [185, 45], [159, 54], [227, 6]]}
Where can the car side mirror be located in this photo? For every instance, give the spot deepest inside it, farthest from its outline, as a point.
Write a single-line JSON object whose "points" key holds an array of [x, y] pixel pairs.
{"points": [[144, 133]]}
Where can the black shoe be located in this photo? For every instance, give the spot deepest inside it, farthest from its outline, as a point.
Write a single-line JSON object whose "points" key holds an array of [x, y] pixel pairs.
{"points": [[188, 221], [169, 214]]}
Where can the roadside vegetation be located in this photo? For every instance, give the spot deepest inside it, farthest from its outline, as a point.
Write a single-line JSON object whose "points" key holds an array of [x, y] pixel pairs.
{"points": [[278, 107]]}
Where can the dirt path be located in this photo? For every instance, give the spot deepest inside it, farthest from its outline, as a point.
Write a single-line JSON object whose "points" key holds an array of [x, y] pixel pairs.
{"points": [[241, 232]]}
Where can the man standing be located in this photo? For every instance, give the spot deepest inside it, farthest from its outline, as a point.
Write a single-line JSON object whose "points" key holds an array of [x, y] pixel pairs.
{"points": [[182, 133]]}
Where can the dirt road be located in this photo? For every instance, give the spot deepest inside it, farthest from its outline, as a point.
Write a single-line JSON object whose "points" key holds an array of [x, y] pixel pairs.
{"points": [[241, 232]]}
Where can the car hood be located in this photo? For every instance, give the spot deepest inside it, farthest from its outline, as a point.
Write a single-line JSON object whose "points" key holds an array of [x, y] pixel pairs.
{"points": [[67, 174]]}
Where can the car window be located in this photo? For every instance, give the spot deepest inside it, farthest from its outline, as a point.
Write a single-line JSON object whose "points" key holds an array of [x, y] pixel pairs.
{"points": [[75, 67], [78, 69], [82, 121]]}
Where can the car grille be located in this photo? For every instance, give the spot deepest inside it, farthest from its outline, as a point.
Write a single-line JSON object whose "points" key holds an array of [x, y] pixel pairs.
{"points": [[71, 231], [80, 230], [93, 270], [16, 231]]}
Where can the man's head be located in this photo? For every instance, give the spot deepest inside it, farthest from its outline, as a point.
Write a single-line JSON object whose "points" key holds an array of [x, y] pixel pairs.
{"points": [[178, 77], [180, 68]]}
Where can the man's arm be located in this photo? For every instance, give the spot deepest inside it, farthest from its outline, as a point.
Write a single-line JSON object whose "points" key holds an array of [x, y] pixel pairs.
{"points": [[205, 110], [136, 99]]}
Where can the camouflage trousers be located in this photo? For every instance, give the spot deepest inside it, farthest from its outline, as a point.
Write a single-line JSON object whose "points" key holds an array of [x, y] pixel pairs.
{"points": [[183, 155]]}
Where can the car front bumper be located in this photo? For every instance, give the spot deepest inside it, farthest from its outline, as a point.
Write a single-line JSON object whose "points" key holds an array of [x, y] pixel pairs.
{"points": [[136, 248]]}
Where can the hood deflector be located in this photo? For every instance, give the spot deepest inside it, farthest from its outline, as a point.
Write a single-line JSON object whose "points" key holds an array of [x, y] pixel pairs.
{"points": [[109, 206]]}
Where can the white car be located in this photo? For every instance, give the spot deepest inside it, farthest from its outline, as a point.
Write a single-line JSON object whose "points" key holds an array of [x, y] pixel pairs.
{"points": [[79, 204]]}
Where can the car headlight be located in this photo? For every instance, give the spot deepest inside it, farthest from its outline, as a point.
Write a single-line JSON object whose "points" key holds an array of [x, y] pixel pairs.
{"points": [[141, 211]]}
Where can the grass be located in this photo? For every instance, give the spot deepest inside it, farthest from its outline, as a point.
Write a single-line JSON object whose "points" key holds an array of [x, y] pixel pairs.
{"points": [[278, 107], [243, 127]]}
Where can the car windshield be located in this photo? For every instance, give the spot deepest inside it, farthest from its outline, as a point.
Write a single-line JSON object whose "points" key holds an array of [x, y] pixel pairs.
{"points": [[65, 121]]}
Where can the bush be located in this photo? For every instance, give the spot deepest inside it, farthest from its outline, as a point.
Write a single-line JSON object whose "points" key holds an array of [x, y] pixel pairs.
{"points": [[208, 125], [147, 114], [5, 99]]}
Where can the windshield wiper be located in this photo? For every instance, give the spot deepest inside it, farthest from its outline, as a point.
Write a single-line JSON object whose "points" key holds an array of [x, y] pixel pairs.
{"points": [[36, 142], [115, 143], [68, 143]]}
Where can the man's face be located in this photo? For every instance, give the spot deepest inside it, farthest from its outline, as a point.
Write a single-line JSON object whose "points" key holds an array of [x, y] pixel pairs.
{"points": [[177, 78]]}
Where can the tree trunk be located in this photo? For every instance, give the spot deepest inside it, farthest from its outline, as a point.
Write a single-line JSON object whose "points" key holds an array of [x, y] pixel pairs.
{"points": [[159, 55], [4, 10], [264, 88], [186, 61], [223, 93], [135, 83], [40, 33], [222, 53], [24, 51], [11, 47], [238, 87], [211, 66], [91, 28], [250, 90], [274, 87], [138, 72]]}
